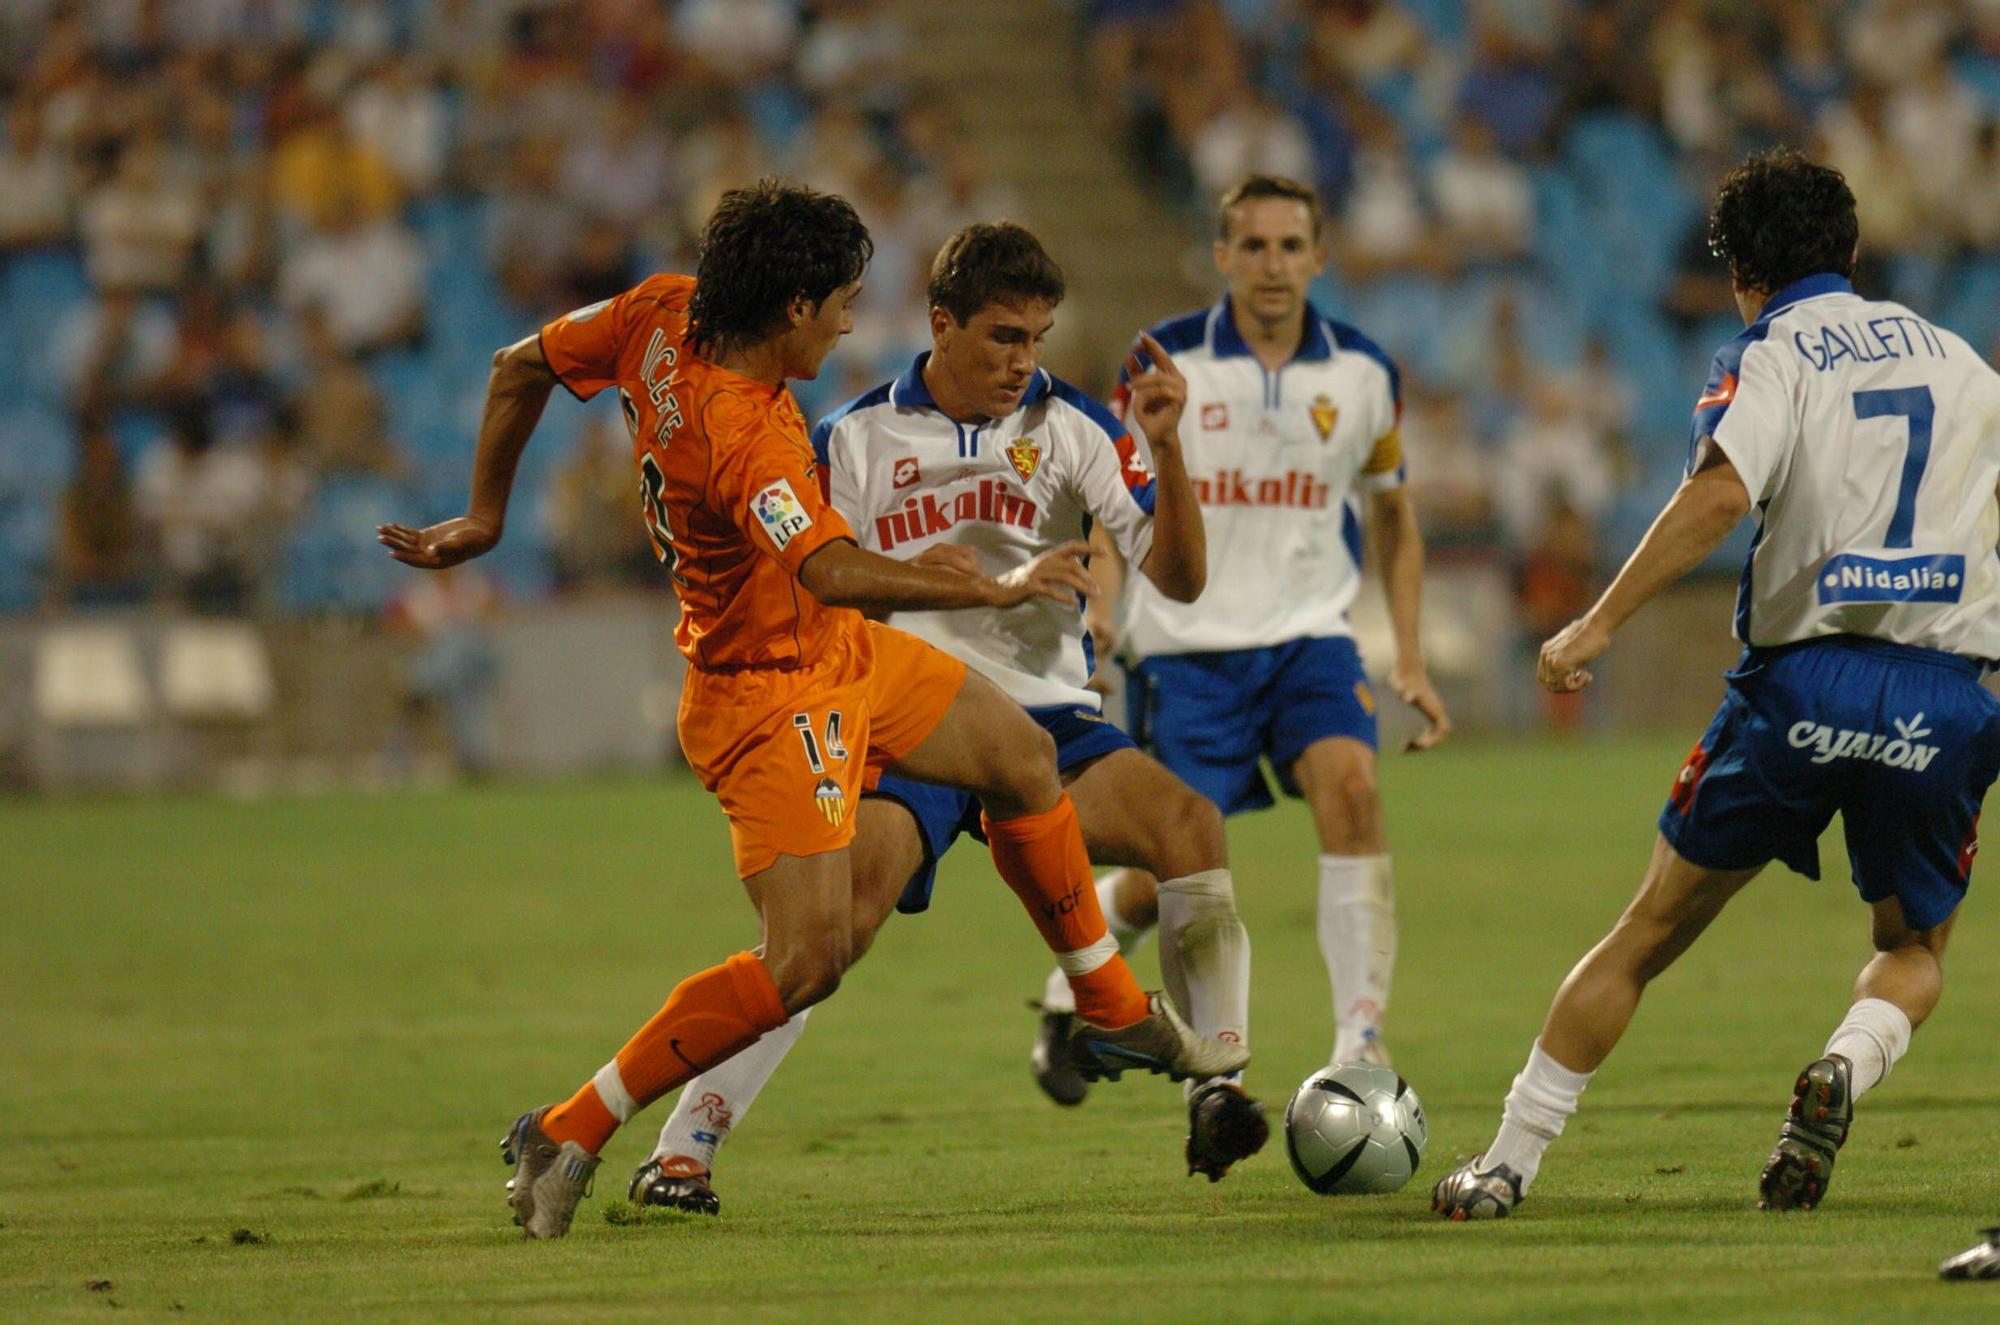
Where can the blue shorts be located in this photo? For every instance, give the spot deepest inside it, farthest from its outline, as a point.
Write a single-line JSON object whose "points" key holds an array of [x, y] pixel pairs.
{"points": [[1903, 742], [942, 813], [1211, 717]]}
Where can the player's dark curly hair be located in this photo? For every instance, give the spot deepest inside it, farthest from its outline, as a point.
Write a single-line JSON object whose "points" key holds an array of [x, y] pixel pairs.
{"points": [[992, 263], [765, 246], [1779, 218]]}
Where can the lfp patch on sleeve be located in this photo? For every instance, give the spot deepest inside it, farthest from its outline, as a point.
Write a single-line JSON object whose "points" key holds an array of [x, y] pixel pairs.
{"points": [[778, 509]]}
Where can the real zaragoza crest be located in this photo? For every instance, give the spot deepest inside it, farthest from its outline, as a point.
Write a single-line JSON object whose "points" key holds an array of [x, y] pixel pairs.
{"points": [[1324, 415], [1025, 456]]}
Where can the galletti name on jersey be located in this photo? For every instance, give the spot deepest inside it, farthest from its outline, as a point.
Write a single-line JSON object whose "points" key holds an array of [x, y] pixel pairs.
{"points": [[1232, 487], [1904, 750], [927, 514]]}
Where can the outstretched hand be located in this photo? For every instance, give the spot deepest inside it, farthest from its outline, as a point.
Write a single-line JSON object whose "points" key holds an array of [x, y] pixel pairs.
{"points": [[438, 546], [1059, 573]]}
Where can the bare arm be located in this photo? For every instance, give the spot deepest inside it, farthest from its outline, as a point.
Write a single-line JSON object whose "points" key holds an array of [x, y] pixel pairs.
{"points": [[1710, 503], [1178, 562], [843, 574], [1397, 545], [516, 392]]}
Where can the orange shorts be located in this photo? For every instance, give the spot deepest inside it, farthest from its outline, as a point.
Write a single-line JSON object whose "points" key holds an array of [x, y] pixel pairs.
{"points": [[788, 753]]}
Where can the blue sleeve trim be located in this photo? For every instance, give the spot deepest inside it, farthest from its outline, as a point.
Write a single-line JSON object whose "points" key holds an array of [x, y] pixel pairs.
{"points": [[1176, 335], [823, 434], [1091, 408], [1722, 375]]}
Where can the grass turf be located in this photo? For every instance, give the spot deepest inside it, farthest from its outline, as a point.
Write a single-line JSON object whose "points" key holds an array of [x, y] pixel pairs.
{"points": [[255, 1058]]}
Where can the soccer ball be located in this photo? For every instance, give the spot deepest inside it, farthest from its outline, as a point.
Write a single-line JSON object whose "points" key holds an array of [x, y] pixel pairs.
{"points": [[1355, 1127]]}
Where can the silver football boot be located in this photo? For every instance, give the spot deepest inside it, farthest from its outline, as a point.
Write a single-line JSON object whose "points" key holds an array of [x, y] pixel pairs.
{"points": [[549, 1179], [1158, 1042]]}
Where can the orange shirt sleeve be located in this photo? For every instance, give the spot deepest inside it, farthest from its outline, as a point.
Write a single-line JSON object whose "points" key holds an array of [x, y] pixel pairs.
{"points": [[764, 482], [582, 347]]}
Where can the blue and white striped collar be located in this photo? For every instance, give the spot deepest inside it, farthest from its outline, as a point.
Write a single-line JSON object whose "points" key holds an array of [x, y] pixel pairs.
{"points": [[1224, 341], [910, 392]]}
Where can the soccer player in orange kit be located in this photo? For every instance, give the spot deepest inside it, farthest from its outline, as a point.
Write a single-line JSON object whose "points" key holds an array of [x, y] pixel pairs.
{"points": [[793, 701]]}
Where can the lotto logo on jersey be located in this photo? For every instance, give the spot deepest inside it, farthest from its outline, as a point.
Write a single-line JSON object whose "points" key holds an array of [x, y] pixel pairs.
{"points": [[1214, 416], [779, 510], [1850, 577], [905, 474]]}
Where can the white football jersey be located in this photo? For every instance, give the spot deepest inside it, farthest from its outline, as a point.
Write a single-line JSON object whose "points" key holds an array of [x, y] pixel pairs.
{"points": [[1869, 441], [1276, 459], [906, 477]]}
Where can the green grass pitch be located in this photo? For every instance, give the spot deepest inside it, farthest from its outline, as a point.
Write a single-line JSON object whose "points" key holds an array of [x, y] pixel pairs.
{"points": [[255, 1060]]}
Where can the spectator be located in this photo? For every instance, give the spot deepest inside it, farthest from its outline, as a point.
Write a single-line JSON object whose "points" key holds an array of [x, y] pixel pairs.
{"points": [[199, 506], [365, 276], [1551, 457], [595, 537], [617, 166], [39, 199], [322, 176], [115, 350], [532, 226], [398, 115], [1485, 204], [1248, 134], [454, 667], [96, 561], [338, 421], [140, 228]]}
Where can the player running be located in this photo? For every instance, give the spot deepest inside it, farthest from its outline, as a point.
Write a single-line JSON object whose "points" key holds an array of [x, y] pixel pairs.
{"points": [[1868, 442], [791, 697], [1290, 415], [978, 458]]}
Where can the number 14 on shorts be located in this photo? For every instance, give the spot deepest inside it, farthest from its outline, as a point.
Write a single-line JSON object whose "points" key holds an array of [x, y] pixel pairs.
{"points": [[832, 747], [820, 749]]}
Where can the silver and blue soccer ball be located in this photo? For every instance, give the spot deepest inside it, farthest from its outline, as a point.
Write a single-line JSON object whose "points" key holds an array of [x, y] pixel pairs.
{"points": [[1355, 1127]]}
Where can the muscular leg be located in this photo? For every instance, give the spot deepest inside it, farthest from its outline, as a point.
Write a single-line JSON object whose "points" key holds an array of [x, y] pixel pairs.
{"points": [[1675, 903], [988, 745], [1357, 907], [886, 852], [1135, 812], [1893, 995], [804, 903]]}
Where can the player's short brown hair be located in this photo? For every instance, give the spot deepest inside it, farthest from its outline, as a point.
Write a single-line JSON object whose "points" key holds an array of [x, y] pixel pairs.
{"points": [[1268, 186], [992, 263], [765, 246]]}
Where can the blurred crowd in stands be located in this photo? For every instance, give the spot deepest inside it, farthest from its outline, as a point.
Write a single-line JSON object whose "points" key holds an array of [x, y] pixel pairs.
{"points": [[254, 254]]}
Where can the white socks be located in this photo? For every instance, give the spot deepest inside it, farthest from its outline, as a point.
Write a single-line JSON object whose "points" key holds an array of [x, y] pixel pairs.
{"points": [[1205, 954], [1875, 1034], [1056, 995], [713, 1103], [1543, 1098], [1357, 936]]}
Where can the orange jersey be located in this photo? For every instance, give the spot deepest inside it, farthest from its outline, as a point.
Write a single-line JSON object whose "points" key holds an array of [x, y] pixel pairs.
{"points": [[727, 483]]}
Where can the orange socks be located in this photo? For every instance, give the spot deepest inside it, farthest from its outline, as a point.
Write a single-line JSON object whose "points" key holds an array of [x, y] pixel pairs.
{"points": [[1041, 857], [707, 1019]]}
